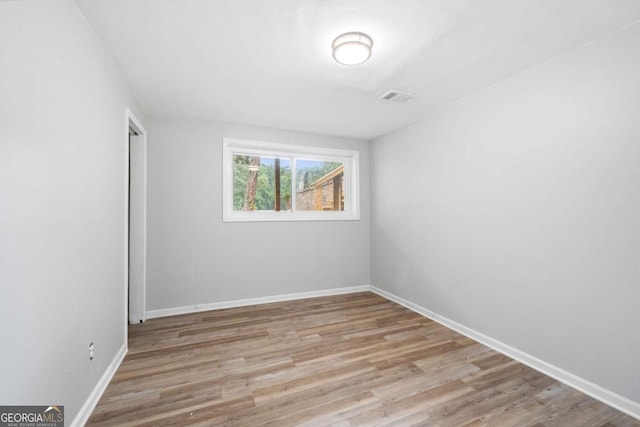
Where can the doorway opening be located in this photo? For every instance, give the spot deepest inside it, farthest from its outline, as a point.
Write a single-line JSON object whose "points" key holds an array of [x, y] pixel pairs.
{"points": [[136, 219]]}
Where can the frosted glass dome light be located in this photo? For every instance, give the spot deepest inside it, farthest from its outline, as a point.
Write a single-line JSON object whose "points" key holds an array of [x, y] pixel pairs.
{"points": [[352, 48]]}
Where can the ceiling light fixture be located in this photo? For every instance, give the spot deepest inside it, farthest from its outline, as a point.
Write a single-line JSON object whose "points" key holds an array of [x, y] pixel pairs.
{"points": [[352, 48]]}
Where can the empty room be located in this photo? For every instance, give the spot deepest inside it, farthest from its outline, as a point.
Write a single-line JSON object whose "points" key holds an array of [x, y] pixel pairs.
{"points": [[320, 213]]}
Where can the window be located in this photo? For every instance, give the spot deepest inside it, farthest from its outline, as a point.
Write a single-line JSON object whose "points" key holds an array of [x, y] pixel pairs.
{"points": [[276, 182]]}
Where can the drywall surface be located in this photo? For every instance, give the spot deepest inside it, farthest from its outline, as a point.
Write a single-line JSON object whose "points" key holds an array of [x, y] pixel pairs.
{"points": [[62, 205], [194, 258], [516, 212]]}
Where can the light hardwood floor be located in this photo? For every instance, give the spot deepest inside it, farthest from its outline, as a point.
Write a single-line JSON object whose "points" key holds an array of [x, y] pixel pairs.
{"points": [[345, 360]]}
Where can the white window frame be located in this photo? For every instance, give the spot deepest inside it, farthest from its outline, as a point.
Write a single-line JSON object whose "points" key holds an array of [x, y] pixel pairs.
{"points": [[350, 159]]}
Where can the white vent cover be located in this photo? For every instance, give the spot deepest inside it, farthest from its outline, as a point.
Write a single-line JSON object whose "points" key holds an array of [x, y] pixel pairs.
{"points": [[396, 96]]}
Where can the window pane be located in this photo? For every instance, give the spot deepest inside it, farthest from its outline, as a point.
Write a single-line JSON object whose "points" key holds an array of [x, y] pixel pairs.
{"points": [[319, 185], [259, 183], [254, 183]]}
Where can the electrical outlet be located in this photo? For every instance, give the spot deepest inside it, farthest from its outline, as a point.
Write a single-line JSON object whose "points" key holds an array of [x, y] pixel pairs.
{"points": [[92, 351]]}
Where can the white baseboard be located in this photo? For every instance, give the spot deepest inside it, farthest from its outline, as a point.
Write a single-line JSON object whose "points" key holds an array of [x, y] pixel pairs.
{"points": [[253, 301], [602, 394], [91, 402]]}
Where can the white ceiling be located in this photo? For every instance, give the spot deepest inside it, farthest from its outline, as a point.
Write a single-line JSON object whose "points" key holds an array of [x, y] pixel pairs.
{"points": [[268, 62]]}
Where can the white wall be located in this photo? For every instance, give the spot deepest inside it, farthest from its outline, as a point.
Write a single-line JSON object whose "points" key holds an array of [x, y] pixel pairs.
{"points": [[62, 169], [516, 212], [194, 258]]}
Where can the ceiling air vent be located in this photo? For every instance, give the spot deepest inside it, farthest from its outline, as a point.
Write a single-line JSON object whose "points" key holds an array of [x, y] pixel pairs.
{"points": [[396, 96]]}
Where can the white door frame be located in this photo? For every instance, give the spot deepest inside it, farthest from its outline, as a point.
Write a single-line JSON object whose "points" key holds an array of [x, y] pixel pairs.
{"points": [[135, 279]]}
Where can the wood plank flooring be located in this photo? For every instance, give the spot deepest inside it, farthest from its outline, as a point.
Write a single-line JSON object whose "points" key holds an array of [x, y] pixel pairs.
{"points": [[345, 360]]}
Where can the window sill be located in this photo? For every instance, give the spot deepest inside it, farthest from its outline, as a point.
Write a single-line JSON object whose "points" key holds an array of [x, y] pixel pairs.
{"points": [[289, 216]]}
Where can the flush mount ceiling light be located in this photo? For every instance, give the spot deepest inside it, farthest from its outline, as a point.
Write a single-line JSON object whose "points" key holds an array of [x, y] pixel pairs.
{"points": [[352, 48]]}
